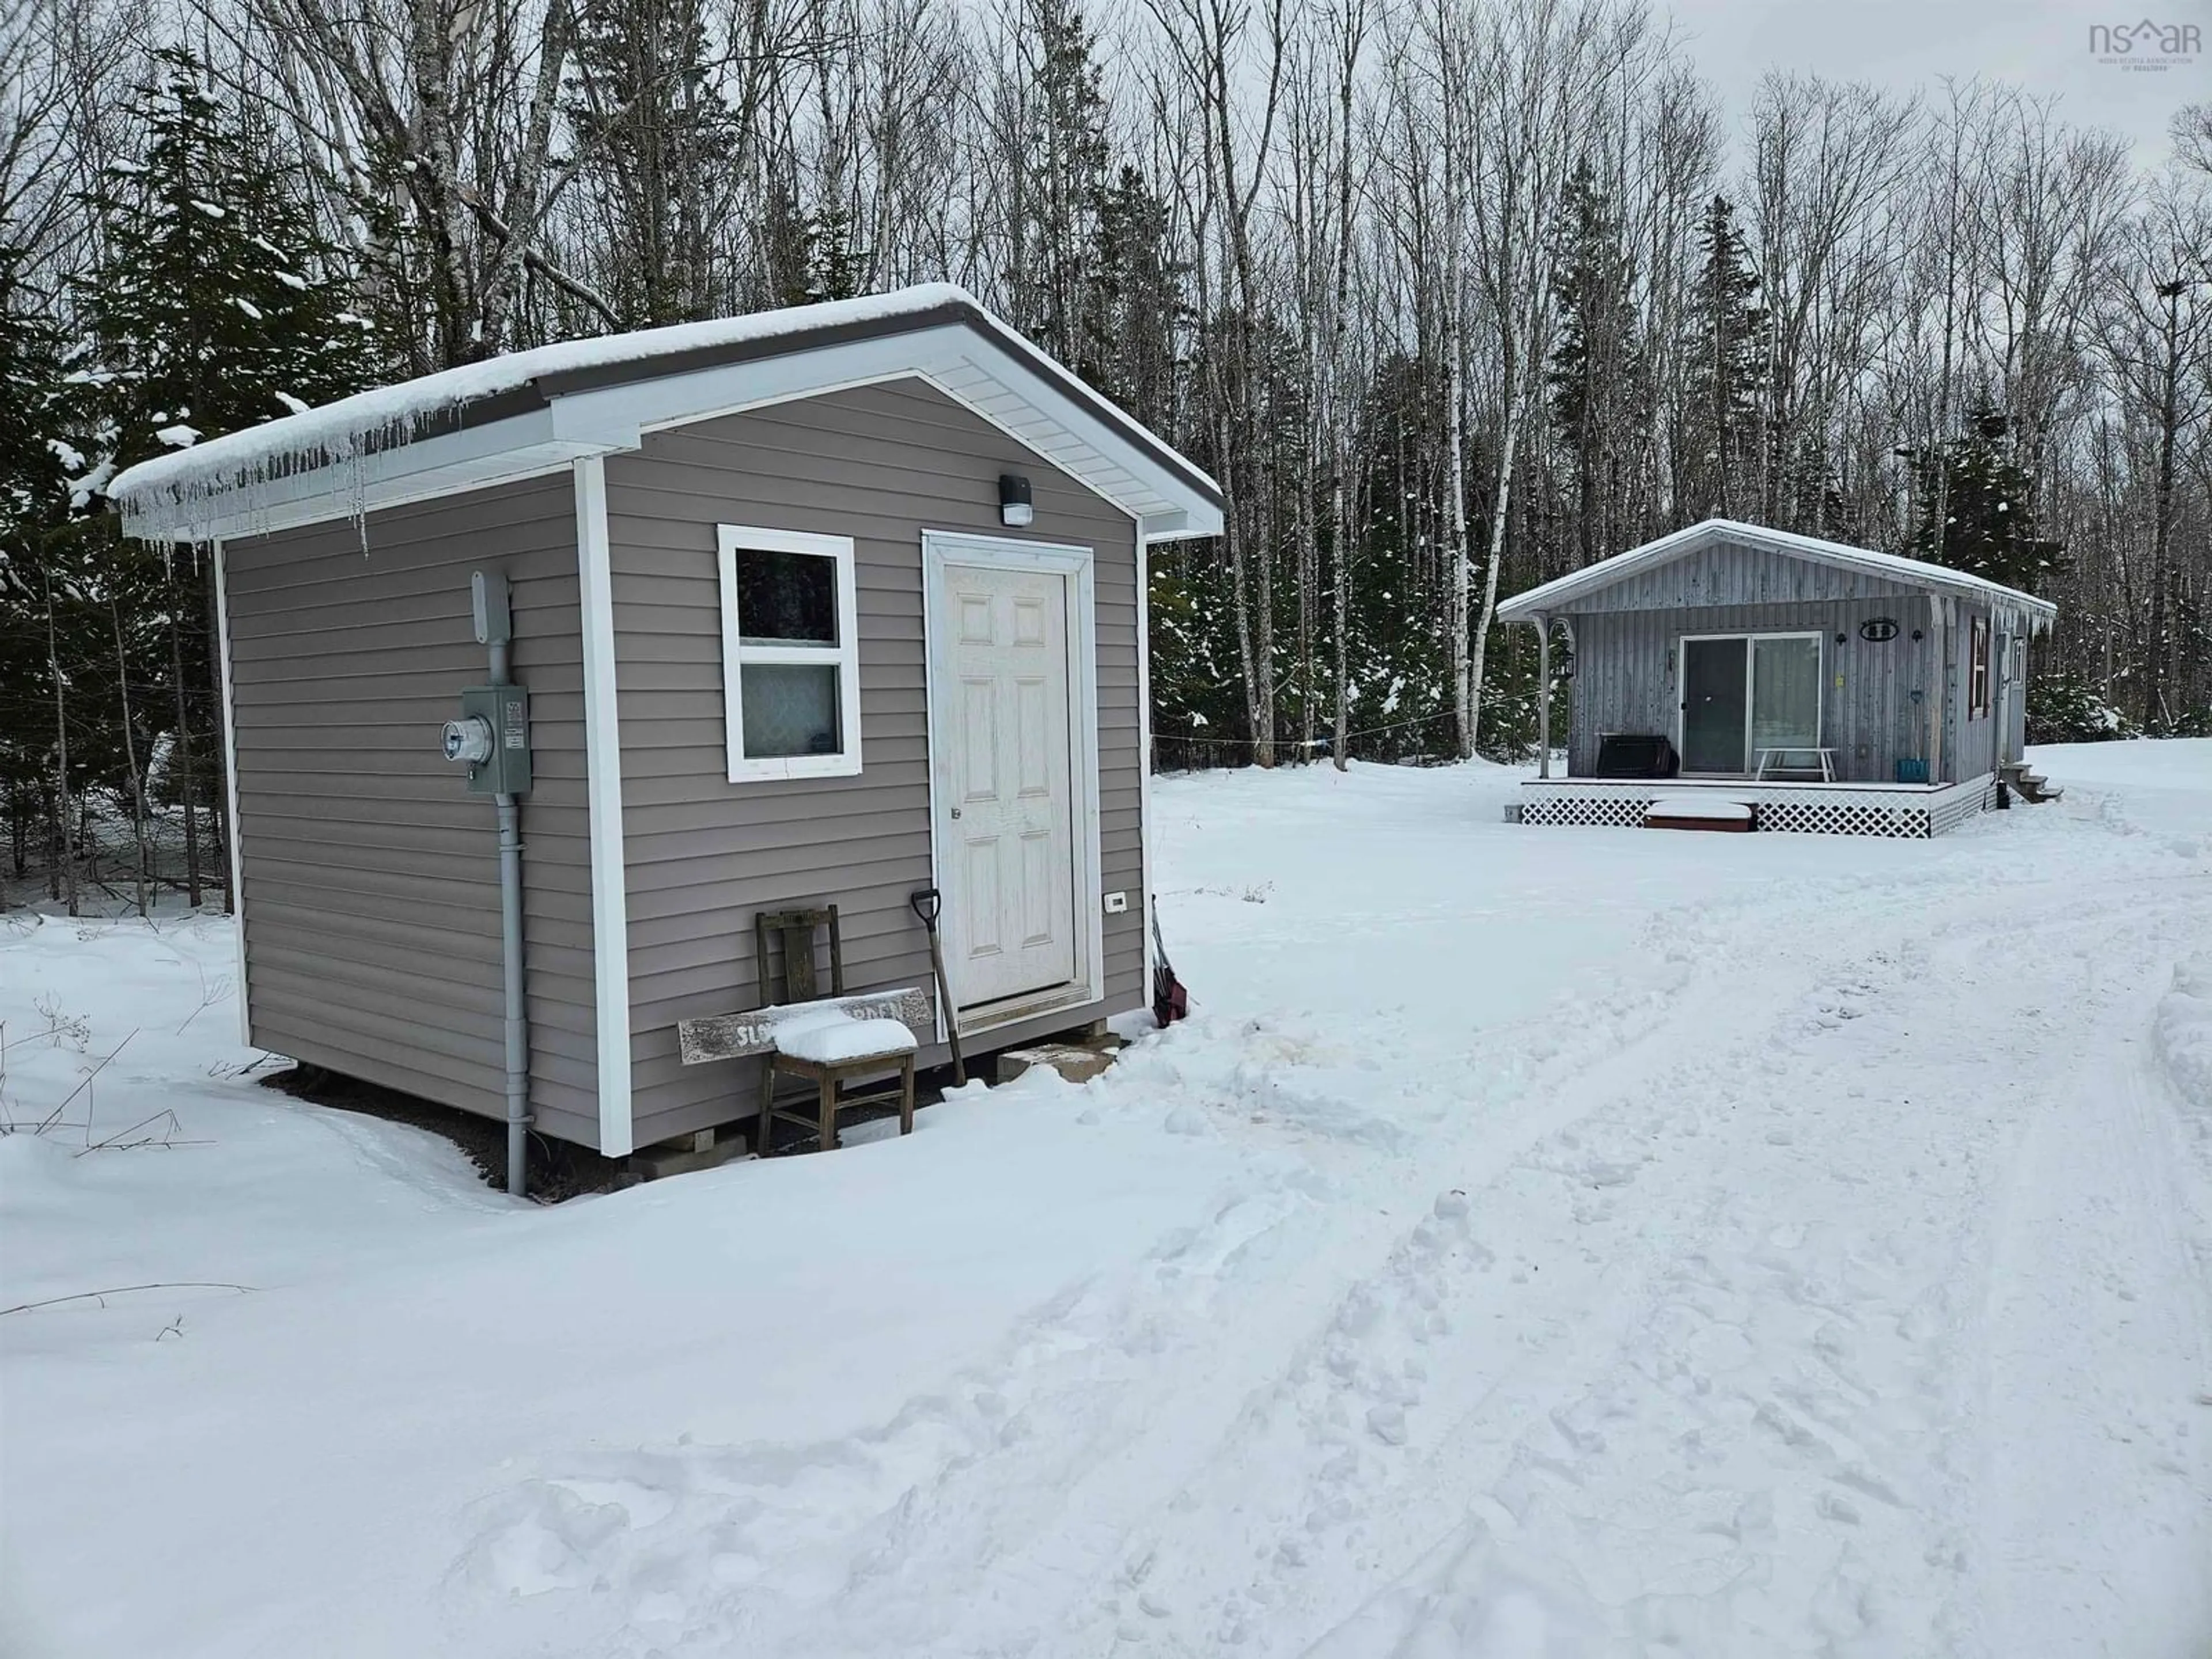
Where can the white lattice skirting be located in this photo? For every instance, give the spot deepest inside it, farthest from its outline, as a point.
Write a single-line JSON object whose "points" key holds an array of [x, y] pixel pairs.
{"points": [[1803, 809]]}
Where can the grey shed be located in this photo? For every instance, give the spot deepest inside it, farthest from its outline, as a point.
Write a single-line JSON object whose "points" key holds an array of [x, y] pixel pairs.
{"points": [[1833, 687], [817, 606]]}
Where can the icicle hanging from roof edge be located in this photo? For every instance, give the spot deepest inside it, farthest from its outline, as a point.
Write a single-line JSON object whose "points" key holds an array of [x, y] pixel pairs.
{"points": [[348, 456]]}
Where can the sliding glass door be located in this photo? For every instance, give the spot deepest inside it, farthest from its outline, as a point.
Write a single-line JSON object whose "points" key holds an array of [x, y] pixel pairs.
{"points": [[1745, 692], [1785, 693]]}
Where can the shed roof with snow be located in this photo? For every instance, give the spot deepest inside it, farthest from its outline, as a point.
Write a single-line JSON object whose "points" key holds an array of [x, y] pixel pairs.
{"points": [[822, 606], [483, 423]]}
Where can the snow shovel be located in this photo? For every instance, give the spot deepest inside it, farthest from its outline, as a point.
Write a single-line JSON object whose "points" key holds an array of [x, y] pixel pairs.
{"points": [[1171, 1001], [926, 904]]}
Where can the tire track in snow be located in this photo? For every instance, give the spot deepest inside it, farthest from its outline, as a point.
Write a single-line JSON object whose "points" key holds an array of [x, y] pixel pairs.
{"points": [[2095, 1200], [1850, 1463], [1127, 1474], [1150, 1596], [942, 1530]]}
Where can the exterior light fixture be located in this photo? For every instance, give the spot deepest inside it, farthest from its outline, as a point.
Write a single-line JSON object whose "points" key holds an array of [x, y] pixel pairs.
{"points": [[1016, 509]]}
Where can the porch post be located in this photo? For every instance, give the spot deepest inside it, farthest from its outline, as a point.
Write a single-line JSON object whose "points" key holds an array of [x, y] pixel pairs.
{"points": [[1543, 696]]}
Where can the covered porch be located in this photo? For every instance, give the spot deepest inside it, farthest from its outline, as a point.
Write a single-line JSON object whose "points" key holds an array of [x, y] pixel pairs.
{"points": [[1834, 687]]}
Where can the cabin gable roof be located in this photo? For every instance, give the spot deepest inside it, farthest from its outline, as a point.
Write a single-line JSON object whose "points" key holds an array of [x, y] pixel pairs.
{"points": [[1721, 561]]}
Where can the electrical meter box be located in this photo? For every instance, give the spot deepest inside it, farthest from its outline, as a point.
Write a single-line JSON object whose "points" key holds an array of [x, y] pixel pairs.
{"points": [[504, 712]]}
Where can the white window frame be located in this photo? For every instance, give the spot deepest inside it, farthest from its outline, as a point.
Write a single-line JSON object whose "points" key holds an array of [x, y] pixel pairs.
{"points": [[1981, 667], [731, 540]]}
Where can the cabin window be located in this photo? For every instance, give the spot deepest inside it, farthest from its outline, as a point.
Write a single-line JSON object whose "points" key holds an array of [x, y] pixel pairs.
{"points": [[1978, 670], [791, 663]]}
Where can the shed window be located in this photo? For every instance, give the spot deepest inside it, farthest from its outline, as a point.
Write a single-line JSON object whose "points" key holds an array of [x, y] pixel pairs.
{"points": [[791, 666], [1978, 670]]}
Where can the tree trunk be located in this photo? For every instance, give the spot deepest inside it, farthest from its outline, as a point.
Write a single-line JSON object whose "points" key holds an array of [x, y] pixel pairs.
{"points": [[1463, 669], [2156, 716], [187, 774], [130, 759], [64, 818], [1256, 713], [1515, 411]]}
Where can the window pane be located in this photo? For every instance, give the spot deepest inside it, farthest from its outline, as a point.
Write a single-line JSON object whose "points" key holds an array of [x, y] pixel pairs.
{"points": [[791, 708], [1785, 693], [787, 596]]}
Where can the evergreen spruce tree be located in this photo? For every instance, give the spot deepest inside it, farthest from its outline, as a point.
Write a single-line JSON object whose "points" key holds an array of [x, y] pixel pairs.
{"points": [[834, 261], [1726, 356], [37, 457], [41, 454], [1592, 372], [660, 144], [219, 304], [1976, 507], [1126, 347], [787, 246], [1064, 157]]}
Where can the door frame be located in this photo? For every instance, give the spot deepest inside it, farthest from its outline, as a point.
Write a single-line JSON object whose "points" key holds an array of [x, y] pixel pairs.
{"points": [[941, 549], [1682, 643]]}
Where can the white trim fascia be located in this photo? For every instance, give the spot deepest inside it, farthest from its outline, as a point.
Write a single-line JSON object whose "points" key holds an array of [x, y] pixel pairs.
{"points": [[1888, 566], [230, 786], [950, 357], [731, 539], [941, 547], [604, 794], [1144, 755]]}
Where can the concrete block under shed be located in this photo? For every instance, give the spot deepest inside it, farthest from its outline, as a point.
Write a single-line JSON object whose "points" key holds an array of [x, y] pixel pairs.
{"points": [[682, 1156], [1077, 1065]]}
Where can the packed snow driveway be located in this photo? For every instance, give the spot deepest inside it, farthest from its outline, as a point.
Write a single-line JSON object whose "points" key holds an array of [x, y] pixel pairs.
{"points": [[1540, 1243]]}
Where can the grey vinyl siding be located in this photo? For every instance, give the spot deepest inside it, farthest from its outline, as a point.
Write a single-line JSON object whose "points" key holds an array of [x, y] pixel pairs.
{"points": [[880, 464], [1625, 667], [371, 876]]}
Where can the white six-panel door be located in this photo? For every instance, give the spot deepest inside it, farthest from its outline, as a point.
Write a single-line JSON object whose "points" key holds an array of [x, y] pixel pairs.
{"points": [[1008, 835]]}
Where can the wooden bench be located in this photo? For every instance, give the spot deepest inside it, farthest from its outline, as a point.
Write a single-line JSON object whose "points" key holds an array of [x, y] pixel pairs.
{"points": [[754, 1033]]}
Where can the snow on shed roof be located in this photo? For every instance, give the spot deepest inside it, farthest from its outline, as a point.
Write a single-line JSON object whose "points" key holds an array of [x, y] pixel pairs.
{"points": [[327, 454], [1912, 573]]}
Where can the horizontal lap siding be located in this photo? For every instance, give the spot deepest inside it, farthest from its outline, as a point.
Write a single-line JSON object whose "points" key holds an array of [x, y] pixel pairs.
{"points": [[1624, 676], [371, 874], [881, 464]]}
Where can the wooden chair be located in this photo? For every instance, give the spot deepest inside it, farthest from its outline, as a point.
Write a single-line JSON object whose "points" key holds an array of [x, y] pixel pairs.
{"points": [[793, 932]]}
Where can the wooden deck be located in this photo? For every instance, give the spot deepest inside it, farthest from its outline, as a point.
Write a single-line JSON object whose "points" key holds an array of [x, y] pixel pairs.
{"points": [[1913, 811]]}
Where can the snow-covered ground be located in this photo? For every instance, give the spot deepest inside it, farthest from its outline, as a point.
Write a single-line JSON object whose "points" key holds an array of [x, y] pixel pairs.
{"points": [[1540, 1243]]}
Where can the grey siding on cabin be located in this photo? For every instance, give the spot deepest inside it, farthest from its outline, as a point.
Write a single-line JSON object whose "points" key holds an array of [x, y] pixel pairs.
{"points": [[371, 876], [1626, 666], [1975, 739], [1723, 573], [881, 464], [1626, 638]]}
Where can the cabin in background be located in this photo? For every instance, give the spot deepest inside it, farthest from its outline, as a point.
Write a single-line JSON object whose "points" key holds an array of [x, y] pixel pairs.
{"points": [[1827, 687]]}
